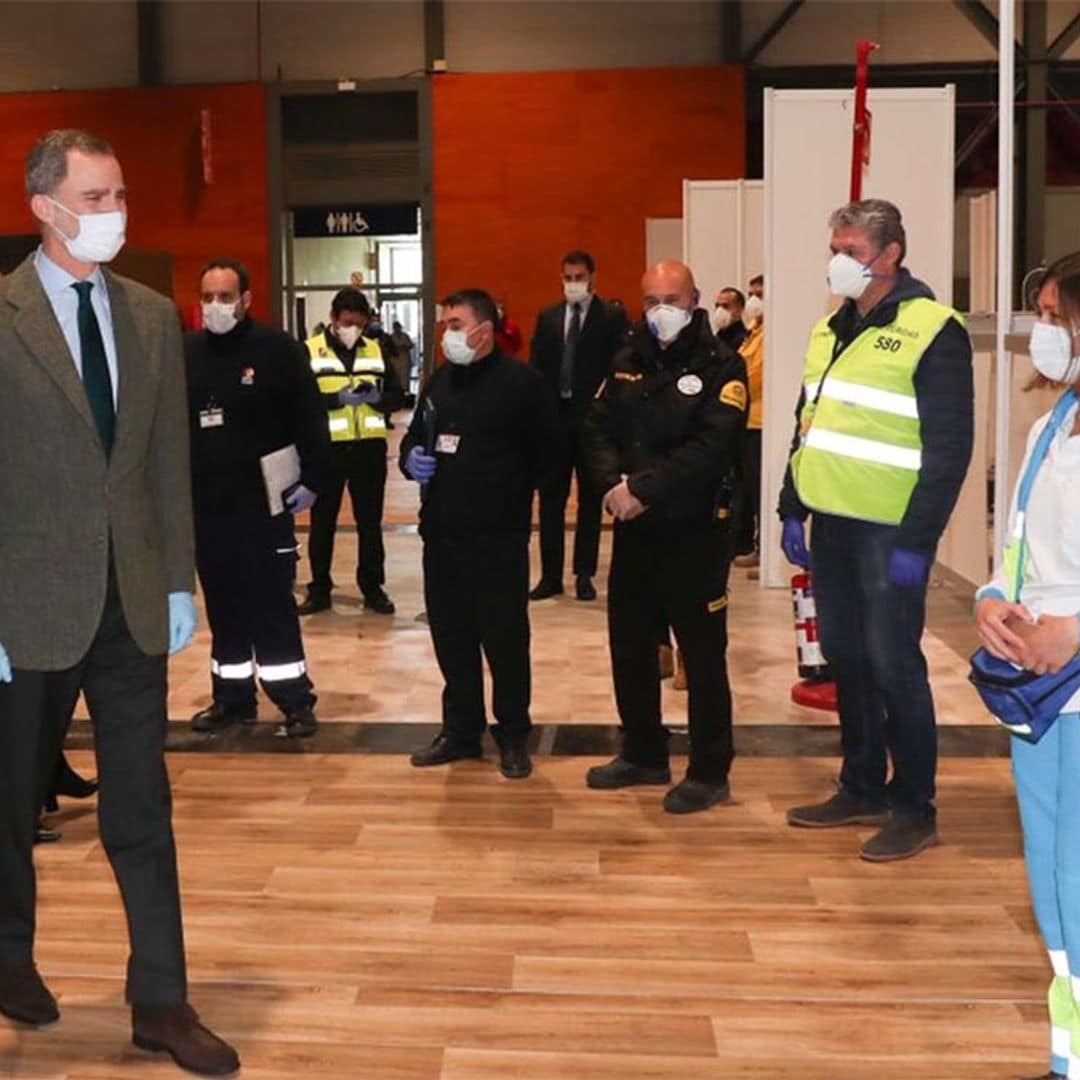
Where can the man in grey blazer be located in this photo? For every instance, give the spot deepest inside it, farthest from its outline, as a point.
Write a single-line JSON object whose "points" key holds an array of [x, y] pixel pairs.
{"points": [[96, 576]]}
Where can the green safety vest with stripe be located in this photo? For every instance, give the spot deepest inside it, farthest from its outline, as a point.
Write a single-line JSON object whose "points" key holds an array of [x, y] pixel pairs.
{"points": [[860, 444], [348, 423]]}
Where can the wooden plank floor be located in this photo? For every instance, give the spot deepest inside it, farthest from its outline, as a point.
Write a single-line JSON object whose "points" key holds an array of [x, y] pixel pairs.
{"points": [[349, 917]]}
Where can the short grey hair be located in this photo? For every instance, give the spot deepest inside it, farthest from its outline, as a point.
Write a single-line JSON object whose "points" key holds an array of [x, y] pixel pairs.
{"points": [[880, 218], [47, 163]]}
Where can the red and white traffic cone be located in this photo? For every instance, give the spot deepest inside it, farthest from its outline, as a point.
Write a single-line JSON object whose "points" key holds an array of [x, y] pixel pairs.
{"points": [[815, 690]]}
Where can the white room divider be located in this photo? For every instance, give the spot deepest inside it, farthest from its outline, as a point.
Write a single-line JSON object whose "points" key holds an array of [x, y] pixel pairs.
{"points": [[723, 234], [807, 168]]}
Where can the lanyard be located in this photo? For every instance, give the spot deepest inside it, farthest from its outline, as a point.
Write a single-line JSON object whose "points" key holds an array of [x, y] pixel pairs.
{"points": [[1016, 554]]}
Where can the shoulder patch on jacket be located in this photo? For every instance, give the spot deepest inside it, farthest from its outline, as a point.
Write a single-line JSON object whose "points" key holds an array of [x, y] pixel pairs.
{"points": [[734, 393]]}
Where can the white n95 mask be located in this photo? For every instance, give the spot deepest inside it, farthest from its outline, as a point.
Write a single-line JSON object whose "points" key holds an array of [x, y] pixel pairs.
{"points": [[721, 319], [667, 321], [456, 347], [100, 236], [754, 311], [1051, 351], [847, 276], [219, 317], [348, 335]]}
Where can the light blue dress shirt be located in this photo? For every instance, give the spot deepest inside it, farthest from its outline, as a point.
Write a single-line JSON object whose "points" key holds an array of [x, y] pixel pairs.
{"points": [[64, 300]]}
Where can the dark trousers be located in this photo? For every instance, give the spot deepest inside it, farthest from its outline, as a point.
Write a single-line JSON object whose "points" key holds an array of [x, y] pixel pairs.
{"points": [[125, 690], [553, 498], [673, 577], [748, 494], [477, 592], [871, 634], [247, 566], [360, 466]]}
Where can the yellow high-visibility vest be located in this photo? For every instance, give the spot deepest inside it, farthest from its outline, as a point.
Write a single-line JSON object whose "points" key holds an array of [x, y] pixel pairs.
{"points": [[860, 445], [348, 423]]}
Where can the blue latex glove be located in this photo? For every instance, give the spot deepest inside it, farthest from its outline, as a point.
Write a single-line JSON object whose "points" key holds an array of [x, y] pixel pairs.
{"points": [[183, 618], [5, 665], [793, 543], [908, 568], [299, 498], [365, 395], [421, 466]]}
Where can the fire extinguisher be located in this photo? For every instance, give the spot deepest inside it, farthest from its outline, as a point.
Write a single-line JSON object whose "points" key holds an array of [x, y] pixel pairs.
{"points": [[812, 665]]}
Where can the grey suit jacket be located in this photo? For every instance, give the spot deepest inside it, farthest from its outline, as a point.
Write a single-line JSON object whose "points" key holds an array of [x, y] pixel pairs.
{"points": [[61, 502]]}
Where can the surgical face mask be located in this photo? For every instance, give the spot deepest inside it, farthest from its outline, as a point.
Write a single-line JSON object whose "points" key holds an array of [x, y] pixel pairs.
{"points": [[721, 319], [1051, 350], [667, 321], [456, 347], [848, 277], [348, 335], [575, 291], [100, 236], [219, 317], [754, 311]]}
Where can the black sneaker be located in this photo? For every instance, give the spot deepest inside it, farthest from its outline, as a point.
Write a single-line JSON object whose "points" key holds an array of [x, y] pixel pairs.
{"points": [[379, 602], [514, 761], [586, 590], [314, 603], [301, 724], [691, 796], [619, 773], [218, 717], [842, 809], [444, 750], [904, 835]]}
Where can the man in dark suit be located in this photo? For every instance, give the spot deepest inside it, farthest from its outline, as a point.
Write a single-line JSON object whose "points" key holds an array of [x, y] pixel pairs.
{"points": [[572, 347], [96, 577]]}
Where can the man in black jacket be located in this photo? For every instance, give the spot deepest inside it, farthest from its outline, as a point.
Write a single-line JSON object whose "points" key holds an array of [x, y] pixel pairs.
{"points": [[572, 347], [250, 392], [727, 319], [479, 445], [883, 439], [662, 442]]}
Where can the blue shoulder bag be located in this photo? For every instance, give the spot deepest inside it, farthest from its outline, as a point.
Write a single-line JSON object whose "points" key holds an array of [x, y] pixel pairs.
{"points": [[1025, 703]]}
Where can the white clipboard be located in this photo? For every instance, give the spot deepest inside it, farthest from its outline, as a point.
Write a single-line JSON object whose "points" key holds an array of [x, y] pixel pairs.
{"points": [[281, 471]]}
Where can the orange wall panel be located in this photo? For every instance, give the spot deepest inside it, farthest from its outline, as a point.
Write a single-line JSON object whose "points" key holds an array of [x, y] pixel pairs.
{"points": [[156, 134], [529, 166]]}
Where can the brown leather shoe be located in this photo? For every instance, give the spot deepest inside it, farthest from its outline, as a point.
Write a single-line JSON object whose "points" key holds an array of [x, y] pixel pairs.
{"points": [[175, 1030], [25, 997]]}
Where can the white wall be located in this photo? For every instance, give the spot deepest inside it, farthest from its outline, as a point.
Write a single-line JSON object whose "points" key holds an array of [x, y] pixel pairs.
{"points": [[807, 166], [723, 233]]}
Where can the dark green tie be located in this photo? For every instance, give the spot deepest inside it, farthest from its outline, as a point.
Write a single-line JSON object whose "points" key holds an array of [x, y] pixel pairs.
{"points": [[95, 367]]}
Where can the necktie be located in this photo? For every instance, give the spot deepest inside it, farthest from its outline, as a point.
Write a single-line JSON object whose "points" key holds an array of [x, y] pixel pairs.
{"points": [[95, 367], [566, 371]]}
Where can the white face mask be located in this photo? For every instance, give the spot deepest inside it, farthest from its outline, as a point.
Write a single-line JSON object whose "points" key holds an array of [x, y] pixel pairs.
{"points": [[1051, 351], [575, 291], [219, 317], [754, 311], [347, 335], [667, 321], [456, 348], [721, 319], [848, 277], [100, 236]]}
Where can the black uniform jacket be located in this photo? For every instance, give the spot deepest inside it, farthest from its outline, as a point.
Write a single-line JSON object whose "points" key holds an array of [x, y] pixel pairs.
{"points": [[944, 391], [496, 430], [250, 391], [670, 420]]}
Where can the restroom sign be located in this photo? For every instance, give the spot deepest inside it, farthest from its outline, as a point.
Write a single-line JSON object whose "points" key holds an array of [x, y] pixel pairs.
{"points": [[386, 219]]}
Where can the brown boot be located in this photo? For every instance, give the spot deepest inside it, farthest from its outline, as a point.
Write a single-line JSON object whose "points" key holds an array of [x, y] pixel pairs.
{"points": [[175, 1030], [679, 682]]}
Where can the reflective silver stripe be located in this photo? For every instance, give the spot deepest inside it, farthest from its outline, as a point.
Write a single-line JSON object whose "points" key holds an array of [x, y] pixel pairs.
{"points": [[279, 672], [873, 398], [1060, 1042], [374, 422], [368, 365], [232, 671], [339, 423], [811, 389], [902, 457]]}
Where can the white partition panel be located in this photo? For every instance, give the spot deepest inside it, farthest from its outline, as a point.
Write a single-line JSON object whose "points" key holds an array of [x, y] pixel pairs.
{"points": [[723, 234], [807, 172], [663, 240]]}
